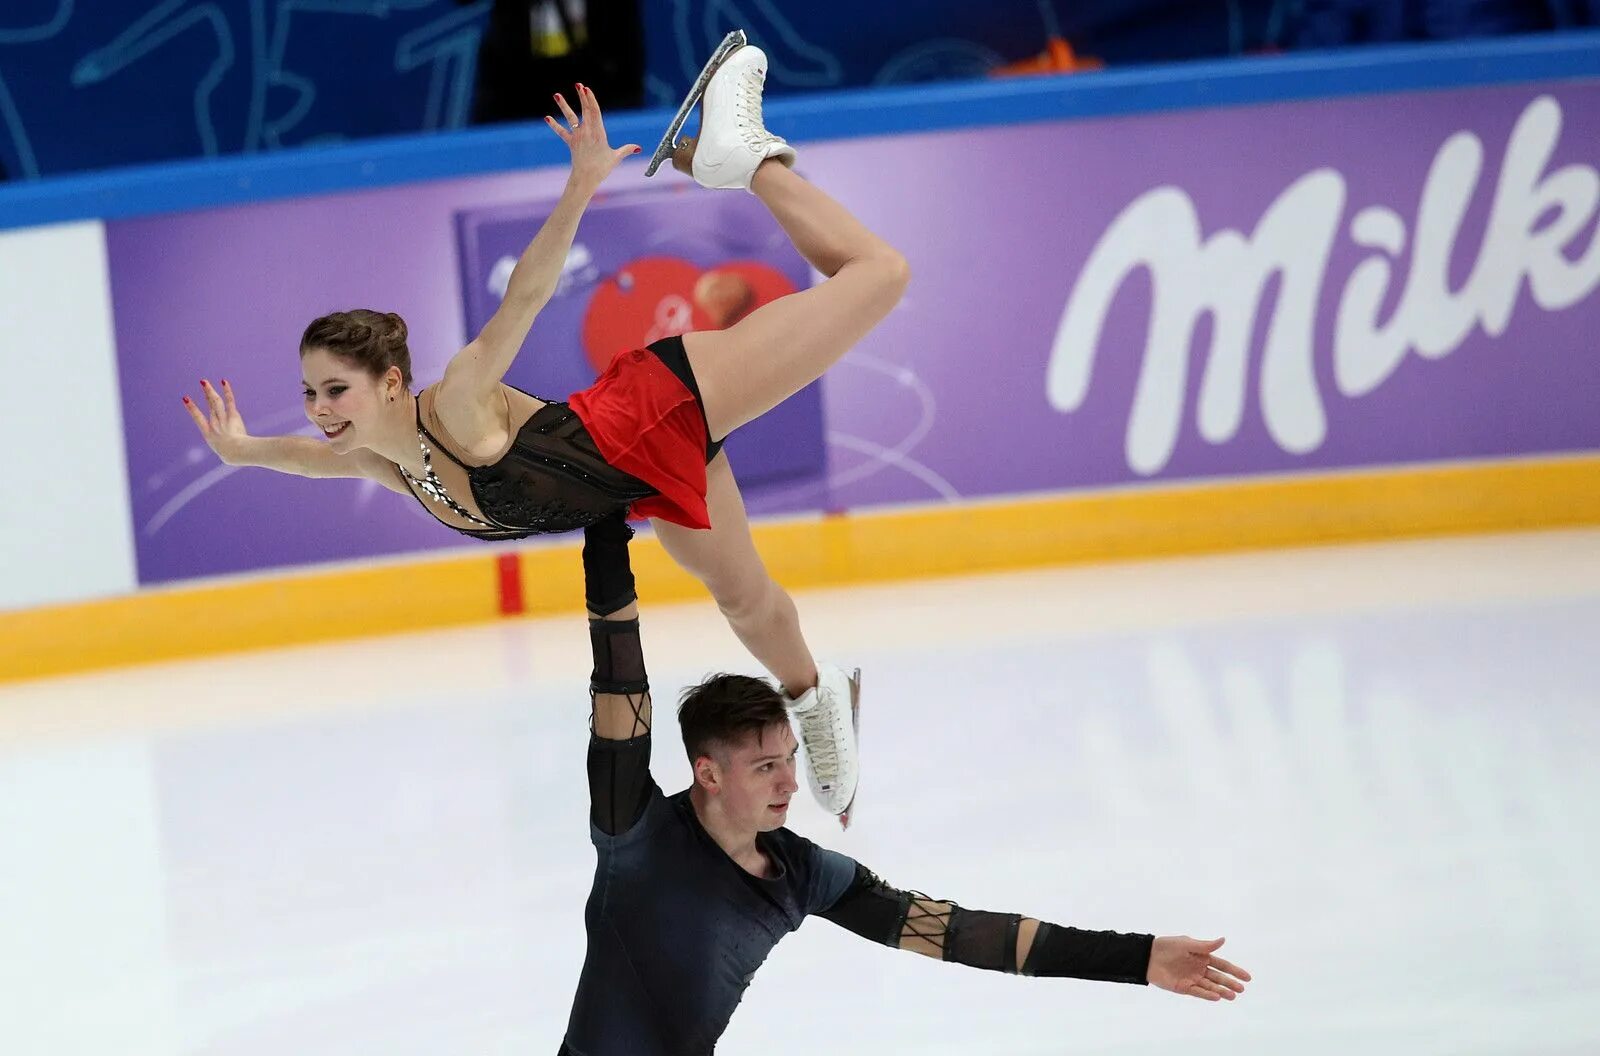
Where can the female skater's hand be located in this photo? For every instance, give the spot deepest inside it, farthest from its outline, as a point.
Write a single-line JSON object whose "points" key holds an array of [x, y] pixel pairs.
{"points": [[1189, 966], [223, 427], [593, 158]]}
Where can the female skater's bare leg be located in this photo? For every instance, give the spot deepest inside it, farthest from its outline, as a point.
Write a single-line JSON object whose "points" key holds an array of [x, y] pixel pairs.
{"points": [[761, 613], [781, 347], [749, 368]]}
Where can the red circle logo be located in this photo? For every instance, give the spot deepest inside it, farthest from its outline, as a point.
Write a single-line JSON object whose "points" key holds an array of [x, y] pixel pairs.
{"points": [[655, 297]]}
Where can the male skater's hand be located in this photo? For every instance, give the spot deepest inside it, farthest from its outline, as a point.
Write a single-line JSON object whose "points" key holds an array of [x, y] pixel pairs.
{"points": [[593, 158], [1191, 966]]}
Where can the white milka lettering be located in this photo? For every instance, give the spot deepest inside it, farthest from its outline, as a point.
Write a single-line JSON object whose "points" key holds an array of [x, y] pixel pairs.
{"points": [[1432, 319], [1225, 276], [1533, 220]]}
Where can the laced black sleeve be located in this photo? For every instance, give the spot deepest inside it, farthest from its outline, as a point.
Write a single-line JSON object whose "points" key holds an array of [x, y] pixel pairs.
{"points": [[620, 785], [910, 920]]}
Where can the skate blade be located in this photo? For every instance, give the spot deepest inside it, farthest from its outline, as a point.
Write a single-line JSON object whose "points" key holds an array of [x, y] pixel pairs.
{"points": [[846, 815], [669, 142]]}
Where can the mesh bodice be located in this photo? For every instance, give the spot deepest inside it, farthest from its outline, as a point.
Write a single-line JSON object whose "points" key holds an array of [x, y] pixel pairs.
{"points": [[551, 478]]}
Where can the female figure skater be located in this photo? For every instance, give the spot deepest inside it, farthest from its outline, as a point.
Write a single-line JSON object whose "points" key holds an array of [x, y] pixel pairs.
{"points": [[496, 463]]}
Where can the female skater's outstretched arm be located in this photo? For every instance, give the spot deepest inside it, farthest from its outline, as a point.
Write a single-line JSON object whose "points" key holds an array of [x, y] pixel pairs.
{"points": [[223, 429], [467, 398]]}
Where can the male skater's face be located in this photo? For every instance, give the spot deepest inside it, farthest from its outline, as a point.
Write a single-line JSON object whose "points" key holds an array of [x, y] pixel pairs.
{"points": [[758, 778]]}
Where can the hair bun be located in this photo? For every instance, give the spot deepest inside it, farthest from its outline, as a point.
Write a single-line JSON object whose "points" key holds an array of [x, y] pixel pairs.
{"points": [[372, 340], [396, 337]]}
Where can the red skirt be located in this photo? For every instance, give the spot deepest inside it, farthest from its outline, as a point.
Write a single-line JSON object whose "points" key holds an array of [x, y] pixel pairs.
{"points": [[647, 423]]}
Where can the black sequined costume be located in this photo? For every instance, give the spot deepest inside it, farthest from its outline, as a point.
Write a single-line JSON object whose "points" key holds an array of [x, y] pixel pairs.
{"points": [[551, 479]]}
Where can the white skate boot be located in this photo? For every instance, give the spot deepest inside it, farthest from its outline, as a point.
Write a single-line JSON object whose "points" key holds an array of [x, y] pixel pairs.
{"points": [[733, 141], [829, 717]]}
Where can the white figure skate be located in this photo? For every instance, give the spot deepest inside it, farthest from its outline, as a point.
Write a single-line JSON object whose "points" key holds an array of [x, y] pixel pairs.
{"points": [[669, 142], [829, 717], [733, 140]]}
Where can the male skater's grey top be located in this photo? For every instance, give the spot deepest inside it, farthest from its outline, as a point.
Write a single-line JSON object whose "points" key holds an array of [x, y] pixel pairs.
{"points": [[676, 928]]}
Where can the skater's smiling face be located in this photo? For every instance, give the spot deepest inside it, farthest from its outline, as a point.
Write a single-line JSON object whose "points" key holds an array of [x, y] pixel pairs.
{"points": [[342, 400], [354, 366], [752, 779]]}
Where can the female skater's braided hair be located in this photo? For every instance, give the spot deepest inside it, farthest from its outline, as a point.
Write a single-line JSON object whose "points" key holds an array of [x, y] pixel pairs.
{"points": [[374, 341]]}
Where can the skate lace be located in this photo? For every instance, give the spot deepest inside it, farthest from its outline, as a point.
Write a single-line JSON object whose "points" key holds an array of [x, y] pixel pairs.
{"points": [[816, 731], [748, 104]]}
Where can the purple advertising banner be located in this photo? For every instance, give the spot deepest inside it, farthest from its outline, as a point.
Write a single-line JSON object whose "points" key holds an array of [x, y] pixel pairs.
{"points": [[1176, 296]]}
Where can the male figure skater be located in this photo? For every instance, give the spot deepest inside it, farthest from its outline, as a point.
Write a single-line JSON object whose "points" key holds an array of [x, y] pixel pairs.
{"points": [[692, 891]]}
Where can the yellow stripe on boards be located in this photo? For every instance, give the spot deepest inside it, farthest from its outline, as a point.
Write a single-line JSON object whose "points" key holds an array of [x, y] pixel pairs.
{"points": [[294, 609], [1120, 524]]}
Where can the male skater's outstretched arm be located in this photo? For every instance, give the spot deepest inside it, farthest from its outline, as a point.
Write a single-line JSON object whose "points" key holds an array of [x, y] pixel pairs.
{"points": [[1018, 945]]}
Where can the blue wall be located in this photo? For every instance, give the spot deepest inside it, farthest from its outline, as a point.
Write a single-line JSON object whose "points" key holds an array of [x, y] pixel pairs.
{"points": [[840, 114], [87, 85]]}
